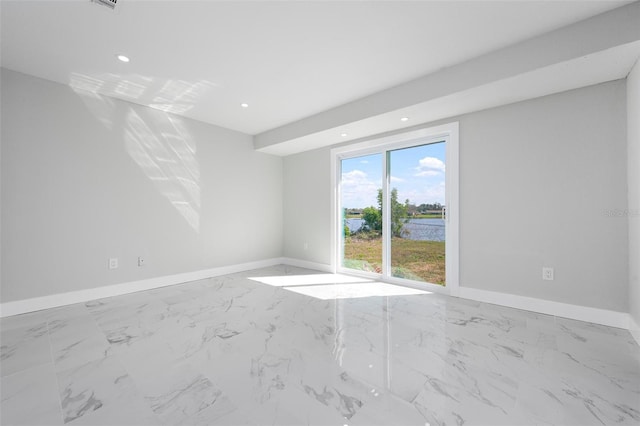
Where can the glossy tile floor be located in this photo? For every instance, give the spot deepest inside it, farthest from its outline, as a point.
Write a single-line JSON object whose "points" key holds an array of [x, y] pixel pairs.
{"points": [[284, 345]]}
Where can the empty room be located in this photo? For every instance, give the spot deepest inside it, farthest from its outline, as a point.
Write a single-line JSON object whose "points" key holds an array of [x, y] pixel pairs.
{"points": [[319, 212]]}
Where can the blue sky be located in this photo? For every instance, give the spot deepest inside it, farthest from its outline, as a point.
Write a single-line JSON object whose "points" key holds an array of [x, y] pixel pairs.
{"points": [[417, 173]]}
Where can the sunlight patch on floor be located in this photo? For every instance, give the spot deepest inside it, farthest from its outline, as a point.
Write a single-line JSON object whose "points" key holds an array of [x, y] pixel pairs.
{"points": [[336, 286], [309, 279]]}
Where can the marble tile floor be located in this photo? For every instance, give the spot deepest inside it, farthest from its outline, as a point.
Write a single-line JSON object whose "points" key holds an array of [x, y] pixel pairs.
{"points": [[288, 346]]}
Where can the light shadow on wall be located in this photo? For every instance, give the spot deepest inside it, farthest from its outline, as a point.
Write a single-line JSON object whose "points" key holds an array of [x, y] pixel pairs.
{"points": [[158, 142], [166, 153], [175, 96], [100, 106], [179, 96]]}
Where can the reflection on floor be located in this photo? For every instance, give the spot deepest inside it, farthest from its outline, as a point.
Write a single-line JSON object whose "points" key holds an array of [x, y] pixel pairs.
{"points": [[252, 348]]}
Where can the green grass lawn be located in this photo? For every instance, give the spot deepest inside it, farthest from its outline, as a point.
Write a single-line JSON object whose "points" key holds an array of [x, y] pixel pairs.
{"points": [[417, 260]]}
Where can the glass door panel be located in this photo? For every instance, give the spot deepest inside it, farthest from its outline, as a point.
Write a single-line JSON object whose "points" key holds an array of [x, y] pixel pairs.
{"points": [[360, 192], [417, 214]]}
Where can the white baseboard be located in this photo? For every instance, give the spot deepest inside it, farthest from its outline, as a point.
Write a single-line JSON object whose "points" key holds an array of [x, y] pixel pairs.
{"points": [[558, 309], [564, 310], [322, 267], [56, 300], [634, 329]]}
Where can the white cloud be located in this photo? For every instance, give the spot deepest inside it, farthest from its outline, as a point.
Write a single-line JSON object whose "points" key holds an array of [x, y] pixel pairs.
{"points": [[430, 166], [397, 179], [358, 190], [353, 177]]}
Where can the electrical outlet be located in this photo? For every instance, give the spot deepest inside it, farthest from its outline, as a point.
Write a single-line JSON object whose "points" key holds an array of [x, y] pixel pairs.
{"points": [[113, 263], [306, 246], [140, 261], [547, 273]]}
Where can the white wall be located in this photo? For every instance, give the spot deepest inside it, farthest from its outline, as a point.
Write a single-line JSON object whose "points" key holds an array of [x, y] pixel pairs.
{"points": [[86, 178], [536, 180], [307, 206], [633, 173]]}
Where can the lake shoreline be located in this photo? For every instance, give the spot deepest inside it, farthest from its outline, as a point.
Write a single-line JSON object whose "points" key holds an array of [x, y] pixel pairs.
{"points": [[417, 229]]}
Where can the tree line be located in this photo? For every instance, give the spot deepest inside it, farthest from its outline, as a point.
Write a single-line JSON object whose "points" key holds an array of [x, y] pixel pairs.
{"points": [[372, 217], [412, 209]]}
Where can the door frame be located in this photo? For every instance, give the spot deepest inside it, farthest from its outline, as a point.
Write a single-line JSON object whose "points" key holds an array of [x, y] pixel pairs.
{"points": [[447, 132]]}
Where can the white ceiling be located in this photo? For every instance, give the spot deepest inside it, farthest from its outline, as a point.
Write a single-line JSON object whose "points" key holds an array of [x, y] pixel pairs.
{"points": [[608, 65], [287, 60]]}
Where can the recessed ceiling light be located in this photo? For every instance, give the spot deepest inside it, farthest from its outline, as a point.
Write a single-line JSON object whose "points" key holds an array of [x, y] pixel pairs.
{"points": [[244, 105], [344, 135], [404, 119], [123, 58]]}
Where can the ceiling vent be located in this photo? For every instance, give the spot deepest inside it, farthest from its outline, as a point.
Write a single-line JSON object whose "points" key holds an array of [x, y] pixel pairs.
{"points": [[111, 4]]}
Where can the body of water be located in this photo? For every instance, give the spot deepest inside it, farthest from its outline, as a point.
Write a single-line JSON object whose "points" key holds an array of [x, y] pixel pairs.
{"points": [[419, 229]]}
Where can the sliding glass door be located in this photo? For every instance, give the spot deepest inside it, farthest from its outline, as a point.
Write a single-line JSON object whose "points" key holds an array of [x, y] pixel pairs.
{"points": [[393, 202], [361, 186], [417, 200]]}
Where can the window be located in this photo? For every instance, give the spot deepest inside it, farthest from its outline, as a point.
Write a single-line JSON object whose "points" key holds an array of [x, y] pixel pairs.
{"points": [[396, 208]]}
